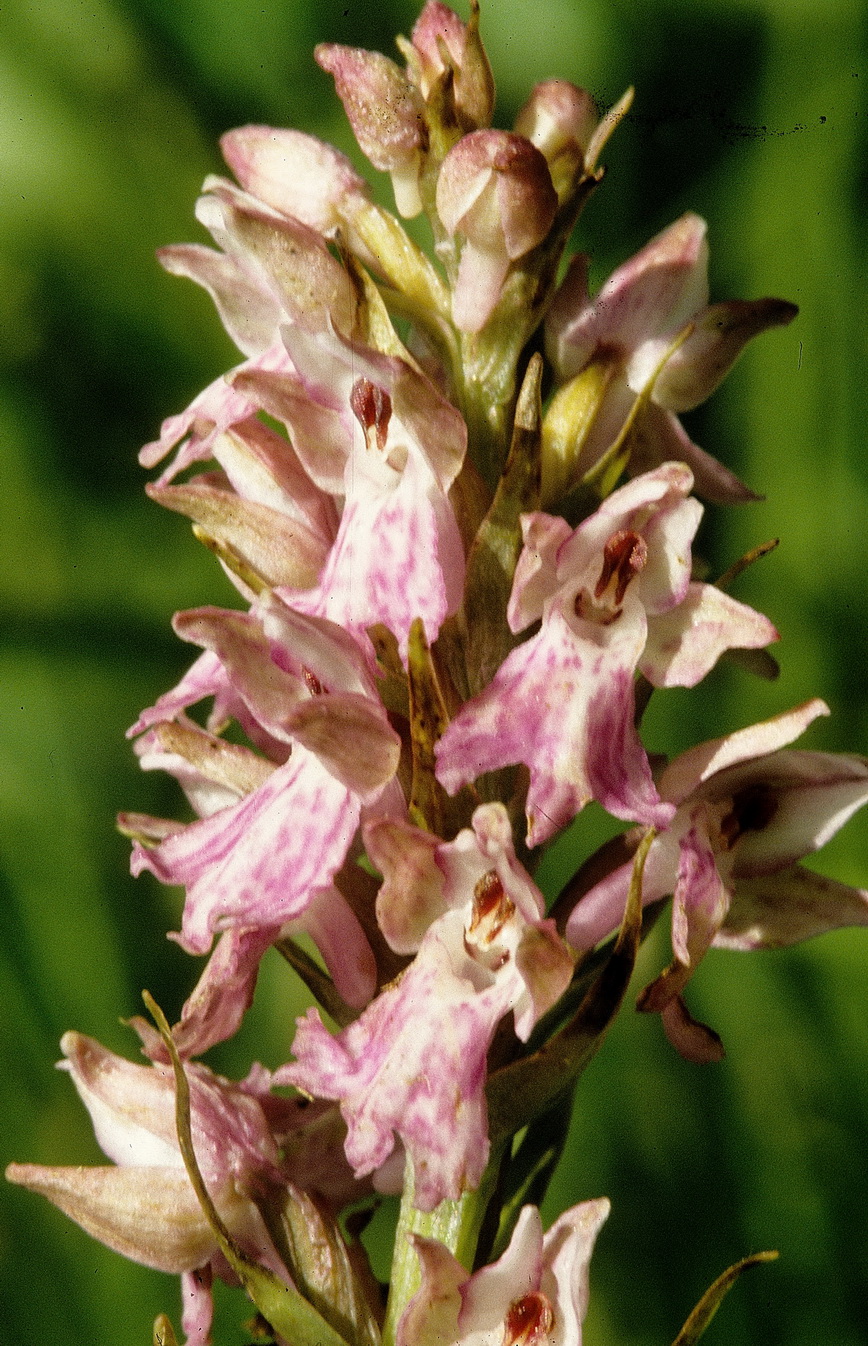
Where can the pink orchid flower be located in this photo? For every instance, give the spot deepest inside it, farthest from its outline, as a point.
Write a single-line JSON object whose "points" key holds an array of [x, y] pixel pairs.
{"points": [[413, 1066], [746, 811], [627, 330], [614, 595], [536, 1292]]}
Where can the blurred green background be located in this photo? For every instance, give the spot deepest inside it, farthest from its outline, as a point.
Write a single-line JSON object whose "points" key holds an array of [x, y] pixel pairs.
{"points": [[748, 111]]}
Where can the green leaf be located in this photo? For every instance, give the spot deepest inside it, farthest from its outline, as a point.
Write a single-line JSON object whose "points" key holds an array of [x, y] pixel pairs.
{"points": [[710, 1302]]}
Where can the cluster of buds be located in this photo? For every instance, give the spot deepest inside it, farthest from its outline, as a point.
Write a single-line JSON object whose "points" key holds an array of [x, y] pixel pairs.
{"points": [[431, 676]]}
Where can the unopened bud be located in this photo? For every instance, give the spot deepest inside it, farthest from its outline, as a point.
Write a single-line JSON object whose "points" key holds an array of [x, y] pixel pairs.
{"points": [[439, 35], [560, 120], [495, 189]]}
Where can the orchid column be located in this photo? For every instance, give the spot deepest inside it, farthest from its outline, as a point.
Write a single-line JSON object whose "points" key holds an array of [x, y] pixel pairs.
{"points": [[458, 504]]}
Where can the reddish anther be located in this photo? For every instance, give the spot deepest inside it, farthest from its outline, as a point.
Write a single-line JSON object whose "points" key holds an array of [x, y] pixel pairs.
{"points": [[624, 556], [372, 408], [529, 1320]]}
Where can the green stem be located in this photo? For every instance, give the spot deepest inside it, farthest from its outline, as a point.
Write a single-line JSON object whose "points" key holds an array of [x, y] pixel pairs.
{"points": [[456, 1224]]}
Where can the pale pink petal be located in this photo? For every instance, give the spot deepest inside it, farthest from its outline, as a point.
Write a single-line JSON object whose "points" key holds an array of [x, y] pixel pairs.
{"points": [[411, 896], [601, 909], [247, 309], [216, 408], [150, 1215], [691, 768], [686, 642], [536, 574], [293, 172], [813, 794], [721, 331], [567, 1249], [659, 436], [206, 677], [657, 290], [487, 1297]]}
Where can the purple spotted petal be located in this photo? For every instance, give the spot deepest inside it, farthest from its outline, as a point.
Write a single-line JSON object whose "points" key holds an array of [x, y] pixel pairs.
{"points": [[259, 862], [412, 1068]]}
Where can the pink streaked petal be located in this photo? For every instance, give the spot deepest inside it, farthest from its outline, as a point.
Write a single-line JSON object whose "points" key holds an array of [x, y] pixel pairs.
{"points": [[814, 794], [398, 556], [335, 930], [787, 908], [618, 770], [536, 574], [686, 642], [695, 766], [564, 707], [260, 862], [223, 994], [412, 1067], [216, 408]]}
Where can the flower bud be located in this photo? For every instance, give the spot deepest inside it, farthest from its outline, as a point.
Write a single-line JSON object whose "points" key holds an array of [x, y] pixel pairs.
{"points": [[496, 190], [384, 111], [560, 120], [438, 35]]}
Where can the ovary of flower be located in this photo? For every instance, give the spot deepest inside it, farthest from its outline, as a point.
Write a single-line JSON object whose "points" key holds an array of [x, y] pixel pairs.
{"points": [[536, 1293], [614, 595]]}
